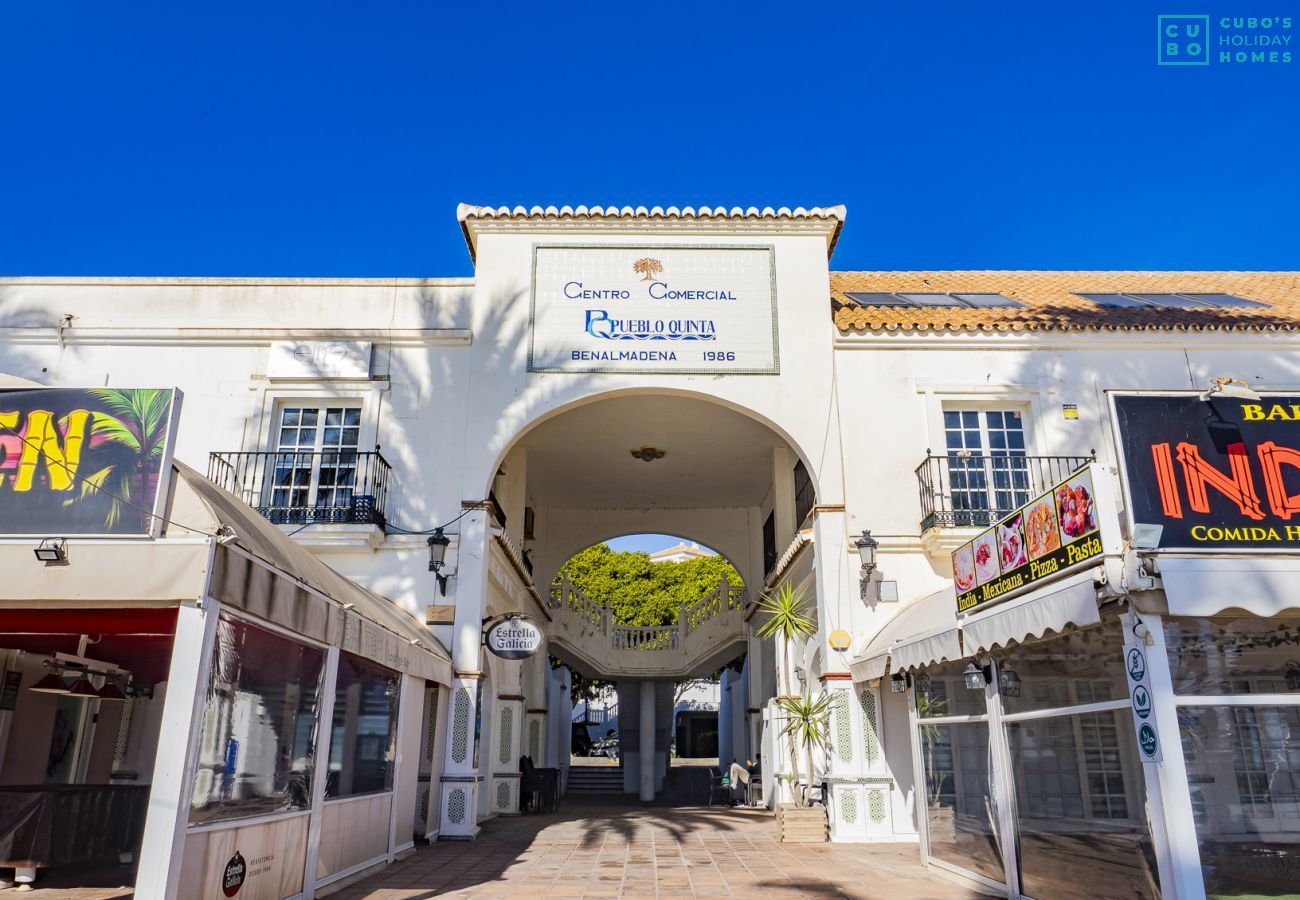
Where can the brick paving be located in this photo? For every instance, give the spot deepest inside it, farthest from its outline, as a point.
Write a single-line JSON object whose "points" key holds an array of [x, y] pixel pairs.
{"points": [[606, 849]]}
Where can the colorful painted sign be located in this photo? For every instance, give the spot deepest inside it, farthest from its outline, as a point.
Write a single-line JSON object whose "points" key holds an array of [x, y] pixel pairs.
{"points": [[653, 308], [1211, 475], [1047, 537], [84, 461]]}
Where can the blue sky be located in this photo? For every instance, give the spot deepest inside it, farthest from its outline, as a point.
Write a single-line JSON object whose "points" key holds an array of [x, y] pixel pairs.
{"points": [[648, 542], [336, 138]]}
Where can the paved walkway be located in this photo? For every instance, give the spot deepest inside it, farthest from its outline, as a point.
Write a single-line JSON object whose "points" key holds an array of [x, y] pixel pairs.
{"points": [[606, 849]]}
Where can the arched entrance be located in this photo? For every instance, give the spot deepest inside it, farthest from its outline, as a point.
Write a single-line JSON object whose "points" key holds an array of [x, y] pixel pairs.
{"points": [[666, 461]]}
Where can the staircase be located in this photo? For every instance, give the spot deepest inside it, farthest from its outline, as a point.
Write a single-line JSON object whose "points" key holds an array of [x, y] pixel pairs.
{"points": [[707, 635], [607, 780]]}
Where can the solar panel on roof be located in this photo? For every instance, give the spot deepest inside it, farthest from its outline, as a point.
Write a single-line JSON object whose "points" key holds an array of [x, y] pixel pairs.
{"points": [[932, 299], [1224, 300], [987, 300], [1114, 300], [869, 299], [1170, 300]]}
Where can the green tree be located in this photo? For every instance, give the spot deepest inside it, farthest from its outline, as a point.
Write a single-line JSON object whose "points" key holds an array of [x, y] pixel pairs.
{"points": [[641, 592]]}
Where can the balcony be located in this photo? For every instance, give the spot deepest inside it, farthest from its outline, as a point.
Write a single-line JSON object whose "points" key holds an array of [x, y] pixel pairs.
{"points": [[291, 487], [963, 490]]}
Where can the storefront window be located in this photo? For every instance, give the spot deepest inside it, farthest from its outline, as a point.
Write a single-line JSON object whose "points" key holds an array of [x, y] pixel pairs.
{"points": [[960, 805], [1082, 666], [1243, 759], [1080, 807], [1081, 818], [1229, 655], [256, 748], [363, 740]]}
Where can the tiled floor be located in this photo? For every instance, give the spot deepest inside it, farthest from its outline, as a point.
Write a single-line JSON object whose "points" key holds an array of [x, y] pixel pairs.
{"points": [[609, 850]]}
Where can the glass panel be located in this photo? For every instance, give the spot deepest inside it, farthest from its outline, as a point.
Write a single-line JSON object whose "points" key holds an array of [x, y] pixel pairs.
{"points": [[364, 741], [941, 691], [1243, 770], [1082, 666], [1232, 655], [256, 752], [960, 809], [1082, 826]]}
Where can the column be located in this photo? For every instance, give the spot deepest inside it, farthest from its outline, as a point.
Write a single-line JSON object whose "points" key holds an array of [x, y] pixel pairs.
{"points": [[647, 742], [458, 808], [182, 717], [509, 711]]}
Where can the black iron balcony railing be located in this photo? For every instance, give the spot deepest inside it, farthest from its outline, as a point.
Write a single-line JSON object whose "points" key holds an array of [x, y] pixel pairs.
{"points": [[962, 489], [293, 487]]}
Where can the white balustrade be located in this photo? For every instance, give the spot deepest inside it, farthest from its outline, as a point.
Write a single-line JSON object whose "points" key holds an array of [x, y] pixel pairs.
{"points": [[714, 621]]}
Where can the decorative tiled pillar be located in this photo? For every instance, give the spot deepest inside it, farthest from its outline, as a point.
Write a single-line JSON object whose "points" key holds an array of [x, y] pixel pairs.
{"points": [[860, 783], [504, 797], [459, 779], [535, 736]]}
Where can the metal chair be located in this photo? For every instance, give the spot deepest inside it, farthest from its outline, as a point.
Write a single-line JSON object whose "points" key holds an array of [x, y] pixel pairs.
{"points": [[719, 782]]}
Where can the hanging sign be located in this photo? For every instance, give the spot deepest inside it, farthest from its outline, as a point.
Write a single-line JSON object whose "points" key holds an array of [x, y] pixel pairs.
{"points": [[514, 638], [85, 462], [653, 308], [1217, 474], [1047, 537], [1139, 688]]}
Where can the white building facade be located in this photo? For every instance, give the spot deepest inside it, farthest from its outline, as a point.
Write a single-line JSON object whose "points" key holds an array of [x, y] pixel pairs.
{"points": [[704, 373]]}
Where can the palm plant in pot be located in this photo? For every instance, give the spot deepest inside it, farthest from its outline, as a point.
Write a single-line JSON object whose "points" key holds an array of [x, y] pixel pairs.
{"points": [[807, 724], [789, 619]]}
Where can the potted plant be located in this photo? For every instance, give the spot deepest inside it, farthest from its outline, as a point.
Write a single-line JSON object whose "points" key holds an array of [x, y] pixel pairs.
{"points": [[807, 725], [788, 619]]}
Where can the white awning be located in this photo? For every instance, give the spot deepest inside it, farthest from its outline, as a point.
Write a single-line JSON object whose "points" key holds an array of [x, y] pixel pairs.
{"points": [[278, 580], [1207, 586], [1072, 601], [921, 633]]}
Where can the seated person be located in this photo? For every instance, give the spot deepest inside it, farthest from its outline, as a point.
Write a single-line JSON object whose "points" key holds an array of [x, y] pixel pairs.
{"points": [[739, 776]]}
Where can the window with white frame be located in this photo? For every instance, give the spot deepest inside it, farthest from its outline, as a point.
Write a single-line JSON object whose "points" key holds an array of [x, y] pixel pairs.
{"points": [[316, 459], [988, 466]]}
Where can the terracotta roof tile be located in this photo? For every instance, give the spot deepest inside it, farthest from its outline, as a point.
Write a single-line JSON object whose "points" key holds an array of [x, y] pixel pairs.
{"points": [[1050, 304]]}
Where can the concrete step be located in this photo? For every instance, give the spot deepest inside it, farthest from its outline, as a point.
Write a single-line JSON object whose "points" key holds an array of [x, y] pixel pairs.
{"points": [[595, 780]]}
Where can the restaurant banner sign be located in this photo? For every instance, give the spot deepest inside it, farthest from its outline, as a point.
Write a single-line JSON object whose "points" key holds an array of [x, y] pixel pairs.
{"points": [[84, 461], [1210, 475], [652, 308], [1052, 534]]}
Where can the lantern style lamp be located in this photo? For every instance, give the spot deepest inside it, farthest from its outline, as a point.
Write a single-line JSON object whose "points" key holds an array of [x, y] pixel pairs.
{"points": [[437, 557], [974, 676], [898, 683], [1293, 676], [867, 546], [1008, 682]]}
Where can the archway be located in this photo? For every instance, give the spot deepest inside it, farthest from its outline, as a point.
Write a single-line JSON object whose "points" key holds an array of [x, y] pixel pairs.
{"points": [[668, 462]]}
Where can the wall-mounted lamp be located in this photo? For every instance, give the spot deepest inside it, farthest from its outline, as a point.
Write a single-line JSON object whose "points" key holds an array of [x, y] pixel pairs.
{"points": [[437, 556], [1008, 682], [976, 677], [1231, 388], [922, 683], [898, 683], [52, 551], [867, 554]]}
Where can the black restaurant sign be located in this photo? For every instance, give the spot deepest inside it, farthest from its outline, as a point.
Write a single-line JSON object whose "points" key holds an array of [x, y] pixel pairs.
{"points": [[83, 461], [1054, 533], [1217, 474]]}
